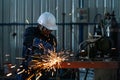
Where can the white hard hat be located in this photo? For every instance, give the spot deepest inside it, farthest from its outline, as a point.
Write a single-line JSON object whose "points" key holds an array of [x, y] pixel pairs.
{"points": [[48, 20]]}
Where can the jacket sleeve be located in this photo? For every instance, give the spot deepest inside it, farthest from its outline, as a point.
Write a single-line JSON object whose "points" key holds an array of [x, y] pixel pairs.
{"points": [[28, 36], [28, 41]]}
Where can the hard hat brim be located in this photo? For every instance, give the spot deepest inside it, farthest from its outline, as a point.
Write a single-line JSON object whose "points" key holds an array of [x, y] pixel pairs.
{"points": [[55, 27]]}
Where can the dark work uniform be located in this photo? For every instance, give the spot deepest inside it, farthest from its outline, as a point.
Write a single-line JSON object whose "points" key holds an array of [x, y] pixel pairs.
{"points": [[32, 38]]}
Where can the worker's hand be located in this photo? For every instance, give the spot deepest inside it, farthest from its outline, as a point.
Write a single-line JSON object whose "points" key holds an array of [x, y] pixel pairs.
{"points": [[42, 44]]}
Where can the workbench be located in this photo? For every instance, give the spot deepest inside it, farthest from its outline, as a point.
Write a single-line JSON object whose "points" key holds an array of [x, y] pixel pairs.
{"points": [[91, 64], [103, 70]]}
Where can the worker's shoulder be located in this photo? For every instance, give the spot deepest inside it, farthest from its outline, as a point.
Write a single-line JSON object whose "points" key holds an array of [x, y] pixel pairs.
{"points": [[30, 29]]}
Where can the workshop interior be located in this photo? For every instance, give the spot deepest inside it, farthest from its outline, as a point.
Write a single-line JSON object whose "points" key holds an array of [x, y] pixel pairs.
{"points": [[88, 39]]}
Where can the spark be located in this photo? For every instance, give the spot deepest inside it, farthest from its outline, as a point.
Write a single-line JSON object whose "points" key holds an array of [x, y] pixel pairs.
{"points": [[9, 74], [21, 66], [46, 62], [21, 71], [18, 69], [49, 61], [39, 75], [29, 78], [13, 66]]}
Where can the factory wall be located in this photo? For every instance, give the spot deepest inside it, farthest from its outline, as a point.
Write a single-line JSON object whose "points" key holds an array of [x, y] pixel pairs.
{"points": [[69, 36]]}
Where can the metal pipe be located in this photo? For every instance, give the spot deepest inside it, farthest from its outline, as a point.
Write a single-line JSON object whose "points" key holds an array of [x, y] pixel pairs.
{"points": [[9, 24]]}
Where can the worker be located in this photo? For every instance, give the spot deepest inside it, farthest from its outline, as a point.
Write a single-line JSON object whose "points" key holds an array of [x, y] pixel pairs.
{"points": [[34, 36]]}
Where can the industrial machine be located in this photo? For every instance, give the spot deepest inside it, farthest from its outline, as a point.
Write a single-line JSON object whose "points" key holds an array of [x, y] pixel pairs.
{"points": [[102, 44]]}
